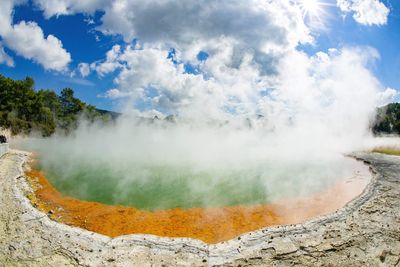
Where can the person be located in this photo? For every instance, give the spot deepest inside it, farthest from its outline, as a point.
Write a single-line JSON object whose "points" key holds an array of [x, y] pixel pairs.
{"points": [[3, 139]]}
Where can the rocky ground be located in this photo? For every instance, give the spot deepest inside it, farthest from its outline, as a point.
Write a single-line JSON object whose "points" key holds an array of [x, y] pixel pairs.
{"points": [[366, 232]]}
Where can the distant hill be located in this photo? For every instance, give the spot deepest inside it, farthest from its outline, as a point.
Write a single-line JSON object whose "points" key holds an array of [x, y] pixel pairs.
{"points": [[24, 110], [387, 120], [112, 114]]}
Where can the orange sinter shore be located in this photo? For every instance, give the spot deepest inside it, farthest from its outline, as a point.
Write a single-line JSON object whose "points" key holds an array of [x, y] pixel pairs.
{"points": [[210, 225]]}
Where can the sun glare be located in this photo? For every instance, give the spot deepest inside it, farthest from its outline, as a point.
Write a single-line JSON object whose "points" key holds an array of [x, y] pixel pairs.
{"points": [[310, 7], [314, 12]]}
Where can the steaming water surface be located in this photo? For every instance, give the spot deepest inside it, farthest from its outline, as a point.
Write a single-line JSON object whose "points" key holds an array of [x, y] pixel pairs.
{"points": [[160, 166], [155, 186]]}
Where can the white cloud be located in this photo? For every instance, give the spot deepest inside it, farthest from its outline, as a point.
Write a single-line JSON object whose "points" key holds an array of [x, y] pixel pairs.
{"points": [[84, 69], [241, 58], [149, 77], [275, 25], [68, 7], [115, 94], [387, 96], [103, 67], [27, 39], [5, 58], [110, 64], [187, 22], [366, 12], [6, 14]]}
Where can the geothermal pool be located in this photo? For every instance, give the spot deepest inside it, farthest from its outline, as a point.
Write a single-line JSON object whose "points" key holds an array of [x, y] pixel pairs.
{"points": [[210, 204], [183, 180]]}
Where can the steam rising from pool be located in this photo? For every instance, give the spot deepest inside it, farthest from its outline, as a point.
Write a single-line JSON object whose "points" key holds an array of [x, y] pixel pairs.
{"points": [[158, 164]]}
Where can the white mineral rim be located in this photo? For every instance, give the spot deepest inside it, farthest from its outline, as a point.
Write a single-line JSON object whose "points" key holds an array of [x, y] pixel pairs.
{"points": [[365, 232]]}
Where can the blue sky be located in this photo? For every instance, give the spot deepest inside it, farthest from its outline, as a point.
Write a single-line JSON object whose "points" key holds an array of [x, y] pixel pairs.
{"points": [[84, 37]]}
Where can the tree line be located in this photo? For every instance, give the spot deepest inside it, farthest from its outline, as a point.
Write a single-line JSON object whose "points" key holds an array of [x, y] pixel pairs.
{"points": [[24, 110]]}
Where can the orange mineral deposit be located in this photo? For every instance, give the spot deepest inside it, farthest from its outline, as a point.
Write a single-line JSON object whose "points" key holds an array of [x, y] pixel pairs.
{"points": [[210, 225]]}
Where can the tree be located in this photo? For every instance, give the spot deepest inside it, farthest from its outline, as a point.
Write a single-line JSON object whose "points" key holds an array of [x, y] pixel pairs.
{"points": [[23, 110], [388, 120], [70, 104]]}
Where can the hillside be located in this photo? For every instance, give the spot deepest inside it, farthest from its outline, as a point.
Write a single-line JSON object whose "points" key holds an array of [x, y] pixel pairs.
{"points": [[387, 120], [112, 114]]}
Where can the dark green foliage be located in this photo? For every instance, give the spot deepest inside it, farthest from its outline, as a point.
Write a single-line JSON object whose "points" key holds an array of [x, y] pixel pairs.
{"points": [[388, 120], [23, 110]]}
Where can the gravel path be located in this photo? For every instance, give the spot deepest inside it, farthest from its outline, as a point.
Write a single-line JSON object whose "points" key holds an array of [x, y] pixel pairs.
{"points": [[366, 232]]}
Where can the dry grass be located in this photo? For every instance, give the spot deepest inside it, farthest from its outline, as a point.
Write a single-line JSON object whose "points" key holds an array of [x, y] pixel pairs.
{"points": [[387, 150]]}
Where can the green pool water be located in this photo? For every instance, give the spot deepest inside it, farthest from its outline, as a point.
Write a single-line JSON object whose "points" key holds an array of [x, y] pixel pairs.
{"points": [[158, 187], [153, 186]]}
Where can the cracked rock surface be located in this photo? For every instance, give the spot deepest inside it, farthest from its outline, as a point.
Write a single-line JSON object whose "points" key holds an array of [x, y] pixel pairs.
{"points": [[366, 232]]}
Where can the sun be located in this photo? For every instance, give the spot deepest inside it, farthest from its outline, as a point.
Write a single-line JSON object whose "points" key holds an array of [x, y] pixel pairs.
{"points": [[315, 12], [311, 7]]}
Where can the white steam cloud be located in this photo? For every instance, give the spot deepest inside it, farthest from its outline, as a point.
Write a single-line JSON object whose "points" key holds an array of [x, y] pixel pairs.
{"points": [[163, 164]]}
